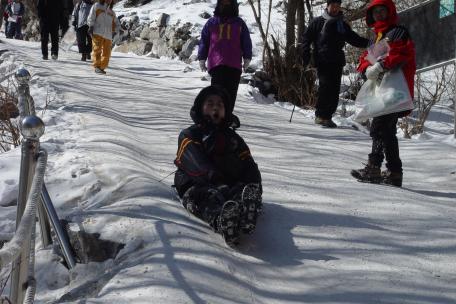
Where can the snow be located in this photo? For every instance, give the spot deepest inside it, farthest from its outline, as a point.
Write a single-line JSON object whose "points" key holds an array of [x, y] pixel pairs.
{"points": [[323, 238]]}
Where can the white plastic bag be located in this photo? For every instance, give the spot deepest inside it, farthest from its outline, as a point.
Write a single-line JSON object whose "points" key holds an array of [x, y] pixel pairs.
{"points": [[68, 40], [377, 51], [391, 95]]}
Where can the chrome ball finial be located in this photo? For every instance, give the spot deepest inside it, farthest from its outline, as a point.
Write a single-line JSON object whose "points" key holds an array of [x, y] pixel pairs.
{"points": [[22, 76], [32, 127]]}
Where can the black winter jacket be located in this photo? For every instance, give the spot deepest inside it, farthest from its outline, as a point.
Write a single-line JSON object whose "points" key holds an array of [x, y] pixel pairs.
{"points": [[208, 155], [50, 12], [328, 46]]}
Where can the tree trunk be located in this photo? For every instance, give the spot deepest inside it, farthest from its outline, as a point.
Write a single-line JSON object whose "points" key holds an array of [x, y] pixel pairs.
{"points": [[290, 31]]}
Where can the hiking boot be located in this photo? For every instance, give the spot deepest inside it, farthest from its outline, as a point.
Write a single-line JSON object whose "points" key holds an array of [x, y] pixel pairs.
{"points": [[100, 71], [45, 57], [88, 56], [83, 57], [228, 223], [251, 207], [392, 178], [325, 122], [369, 174], [54, 56]]}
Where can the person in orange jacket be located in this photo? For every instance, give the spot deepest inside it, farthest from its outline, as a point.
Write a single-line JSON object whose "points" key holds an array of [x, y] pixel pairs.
{"points": [[382, 16]]}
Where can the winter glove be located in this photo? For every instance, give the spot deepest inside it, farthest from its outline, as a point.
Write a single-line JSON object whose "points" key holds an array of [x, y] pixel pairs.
{"points": [[374, 71], [202, 64], [90, 31], [246, 64]]}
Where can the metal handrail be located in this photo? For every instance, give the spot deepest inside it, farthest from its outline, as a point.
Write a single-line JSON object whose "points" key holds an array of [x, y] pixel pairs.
{"points": [[33, 199]]}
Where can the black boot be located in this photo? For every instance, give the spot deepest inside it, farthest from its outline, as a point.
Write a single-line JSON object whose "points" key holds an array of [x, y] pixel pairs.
{"points": [[251, 207], [368, 174], [83, 57], [228, 223], [392, 178]]}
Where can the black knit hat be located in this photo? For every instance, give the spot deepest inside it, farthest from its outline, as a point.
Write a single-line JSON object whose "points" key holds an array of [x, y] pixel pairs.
{"points": [[328, 2], [196, 112]]}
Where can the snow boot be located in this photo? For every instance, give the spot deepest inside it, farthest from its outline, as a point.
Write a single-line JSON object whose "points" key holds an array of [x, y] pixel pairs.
{"points": [[392, 178], [325, 122], [100, 71], [369, 174], [251, 207], [83, 57], [54, 56], [228, 223]]}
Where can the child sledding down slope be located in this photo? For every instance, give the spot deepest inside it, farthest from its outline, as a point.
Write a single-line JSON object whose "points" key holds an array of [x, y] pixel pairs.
{"points": [[217, 178]]}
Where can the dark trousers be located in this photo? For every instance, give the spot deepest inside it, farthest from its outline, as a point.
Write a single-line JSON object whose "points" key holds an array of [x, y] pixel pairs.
{"points": [[329, 77], [46, 30], [384, 142], [84, 40], [228, 78], [13, 30]]}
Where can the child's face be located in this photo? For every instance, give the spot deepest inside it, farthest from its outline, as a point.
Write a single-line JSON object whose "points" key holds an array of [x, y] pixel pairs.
{"points": [[380, 13], [334, 9], [214, 108]]}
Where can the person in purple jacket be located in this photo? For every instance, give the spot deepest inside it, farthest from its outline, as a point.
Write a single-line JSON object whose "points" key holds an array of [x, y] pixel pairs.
{"points": [[225, 42]]}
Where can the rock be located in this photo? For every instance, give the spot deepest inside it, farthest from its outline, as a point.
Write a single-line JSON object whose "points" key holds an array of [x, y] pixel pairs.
{"points": [[145, 33], [163, 20], [138, 47], [187, 48], [188, 69], [205, 15]]}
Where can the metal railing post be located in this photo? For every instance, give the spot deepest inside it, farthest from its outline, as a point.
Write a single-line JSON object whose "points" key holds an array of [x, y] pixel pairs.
{"points": [[32, 128], [61, 235]]}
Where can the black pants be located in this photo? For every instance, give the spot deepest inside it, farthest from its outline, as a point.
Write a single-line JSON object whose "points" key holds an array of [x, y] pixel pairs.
{"points": [[46, 30], [384, 142], [84, 40], [329, 77], [228, 78]]}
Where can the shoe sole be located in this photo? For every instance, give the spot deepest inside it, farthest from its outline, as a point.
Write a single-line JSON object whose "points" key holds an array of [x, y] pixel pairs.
{"points": [[229, 226], [251, 199]]}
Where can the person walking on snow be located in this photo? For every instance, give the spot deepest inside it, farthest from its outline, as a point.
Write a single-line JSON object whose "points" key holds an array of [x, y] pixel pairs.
{"points": [[382, 16], [15, 11], [217, 178], [328, 34], [80, 14], [103, 25], [225, 42], [49, 13]]}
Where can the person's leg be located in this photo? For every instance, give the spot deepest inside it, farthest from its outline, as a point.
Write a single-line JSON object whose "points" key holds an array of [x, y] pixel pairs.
{"points": [[204, 202], [377, 128], [105, 54], [80, 38], [390, 143], [44, 39], [329, 79], [228, 78], [97, 45], [55, 41], [18, 30], [11, 29]]}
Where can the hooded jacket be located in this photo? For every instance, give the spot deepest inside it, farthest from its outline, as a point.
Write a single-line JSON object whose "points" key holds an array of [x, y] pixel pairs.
{"points": [[225, 39], [329, 35], [210, 154], [104, 20], [402, 48], [81, 13]]}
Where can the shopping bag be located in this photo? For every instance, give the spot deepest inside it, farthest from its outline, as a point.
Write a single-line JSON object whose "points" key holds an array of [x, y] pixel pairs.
{"points": [[389, 95], [68, 40]]}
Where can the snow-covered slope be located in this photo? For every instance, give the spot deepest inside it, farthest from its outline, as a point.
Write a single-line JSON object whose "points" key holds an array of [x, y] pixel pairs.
{"points": [[323, 238]]}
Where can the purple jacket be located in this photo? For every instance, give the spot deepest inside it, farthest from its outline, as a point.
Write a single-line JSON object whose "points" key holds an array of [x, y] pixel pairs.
{"points": [[225, 42]]}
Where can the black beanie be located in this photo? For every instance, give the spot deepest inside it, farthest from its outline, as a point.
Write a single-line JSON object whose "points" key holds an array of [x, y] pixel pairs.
{"points": [[328, 2]]}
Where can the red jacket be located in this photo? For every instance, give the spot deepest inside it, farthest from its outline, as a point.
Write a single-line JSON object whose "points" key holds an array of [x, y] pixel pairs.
{"points": [[402, 48]]}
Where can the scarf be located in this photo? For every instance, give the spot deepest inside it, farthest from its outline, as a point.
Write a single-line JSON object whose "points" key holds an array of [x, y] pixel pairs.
{"points": [[339, 20]]}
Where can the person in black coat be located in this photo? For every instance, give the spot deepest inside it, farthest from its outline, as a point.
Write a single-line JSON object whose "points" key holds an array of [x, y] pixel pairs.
{"points": [[328, 34], [50, 13], [217, 178]]}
